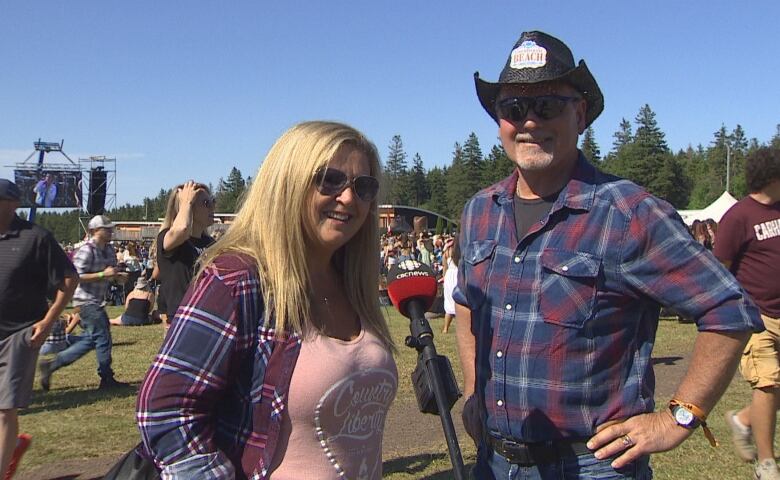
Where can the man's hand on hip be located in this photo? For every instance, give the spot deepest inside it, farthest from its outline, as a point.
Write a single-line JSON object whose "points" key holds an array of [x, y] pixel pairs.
{"points": [[638, 436]]}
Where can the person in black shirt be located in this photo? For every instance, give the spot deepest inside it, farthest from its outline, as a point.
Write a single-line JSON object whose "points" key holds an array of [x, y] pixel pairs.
{"points": [[182, 239], [32, 265], [138, 306]]}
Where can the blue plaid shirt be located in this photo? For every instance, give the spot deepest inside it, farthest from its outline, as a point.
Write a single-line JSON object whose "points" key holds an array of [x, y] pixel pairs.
{"points": [[565, 317]]}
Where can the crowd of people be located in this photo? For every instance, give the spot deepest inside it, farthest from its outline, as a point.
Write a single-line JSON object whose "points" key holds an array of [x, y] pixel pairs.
{"points": [[278, 362]]}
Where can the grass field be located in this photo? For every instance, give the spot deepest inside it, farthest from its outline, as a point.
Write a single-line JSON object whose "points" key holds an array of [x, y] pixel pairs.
{"points": [[74, 420]]}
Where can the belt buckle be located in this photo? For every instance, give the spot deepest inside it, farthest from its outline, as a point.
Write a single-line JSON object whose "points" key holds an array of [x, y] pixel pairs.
{"points": [[519, 452]]}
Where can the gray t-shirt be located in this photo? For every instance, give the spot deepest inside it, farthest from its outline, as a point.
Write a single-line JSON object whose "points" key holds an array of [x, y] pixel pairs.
{"points": [[528, 212]]}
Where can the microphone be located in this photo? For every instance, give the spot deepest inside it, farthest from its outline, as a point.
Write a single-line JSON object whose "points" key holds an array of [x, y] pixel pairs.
{"points": [[412, 287]]}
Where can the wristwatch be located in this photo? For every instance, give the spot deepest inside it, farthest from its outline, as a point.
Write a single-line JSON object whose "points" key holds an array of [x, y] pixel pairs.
{"points": [[684, 417], [688, 415]]}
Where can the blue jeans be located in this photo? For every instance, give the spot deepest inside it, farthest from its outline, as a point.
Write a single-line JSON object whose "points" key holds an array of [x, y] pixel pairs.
{"points": [[54, 348], [96, 334], [492, 466]]}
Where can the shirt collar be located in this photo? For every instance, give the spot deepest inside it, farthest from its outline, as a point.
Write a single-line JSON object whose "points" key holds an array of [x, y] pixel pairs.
{"points": [[577, 194], [14, 228]]}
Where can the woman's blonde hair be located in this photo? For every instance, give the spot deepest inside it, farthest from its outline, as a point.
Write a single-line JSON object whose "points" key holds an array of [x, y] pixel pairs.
{"points": [[172, 207], [272, 227]]}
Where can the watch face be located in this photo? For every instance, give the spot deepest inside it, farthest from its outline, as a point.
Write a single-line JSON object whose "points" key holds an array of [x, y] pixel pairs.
{"points": [[683, 416]]}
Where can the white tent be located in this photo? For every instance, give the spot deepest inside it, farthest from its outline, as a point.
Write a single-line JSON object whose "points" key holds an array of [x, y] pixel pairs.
{"points": [[715, 210]]}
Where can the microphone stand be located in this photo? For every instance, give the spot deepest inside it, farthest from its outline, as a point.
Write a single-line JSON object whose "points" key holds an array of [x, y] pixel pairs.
{"points": [[421, 339]]}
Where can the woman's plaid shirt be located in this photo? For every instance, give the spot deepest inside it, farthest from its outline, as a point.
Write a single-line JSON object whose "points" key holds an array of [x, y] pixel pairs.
{"points": [[211, 405]]}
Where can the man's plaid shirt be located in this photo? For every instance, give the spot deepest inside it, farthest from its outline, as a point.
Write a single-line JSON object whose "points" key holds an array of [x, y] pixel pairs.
{"points": [[565, 317], [211, 405], [90, 258]]}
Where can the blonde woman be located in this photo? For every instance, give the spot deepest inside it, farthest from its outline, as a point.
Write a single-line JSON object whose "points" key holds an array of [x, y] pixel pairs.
{"points": [[182, 238], [279, 363]]}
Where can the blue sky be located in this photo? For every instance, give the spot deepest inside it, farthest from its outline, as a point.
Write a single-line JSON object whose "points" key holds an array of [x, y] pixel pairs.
{"points": [[188, 89]]}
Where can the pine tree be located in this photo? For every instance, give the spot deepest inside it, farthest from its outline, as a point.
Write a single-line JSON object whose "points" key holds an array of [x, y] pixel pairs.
{"points": [[436, 179], [739, 148], [647, 161], [648, 134], [457, 183], [496, 166], [473, 162], [418, 182], [397, 173], [589, 146], [775, 142], [623, 136], [230, 192]]}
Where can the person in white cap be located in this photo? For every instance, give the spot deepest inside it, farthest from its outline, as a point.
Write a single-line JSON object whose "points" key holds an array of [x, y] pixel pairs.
{"points": [[95, 262]]}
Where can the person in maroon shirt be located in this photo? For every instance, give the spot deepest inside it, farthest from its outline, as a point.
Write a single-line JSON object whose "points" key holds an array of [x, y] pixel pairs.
{"points": [[749, 245]]}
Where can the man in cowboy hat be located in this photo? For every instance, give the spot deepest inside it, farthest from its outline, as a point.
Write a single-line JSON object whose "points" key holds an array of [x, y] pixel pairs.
{"points": [[563, 269]]}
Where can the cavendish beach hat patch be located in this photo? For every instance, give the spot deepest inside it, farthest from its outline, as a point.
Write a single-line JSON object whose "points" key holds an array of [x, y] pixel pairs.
{"points": [[528, 55]]}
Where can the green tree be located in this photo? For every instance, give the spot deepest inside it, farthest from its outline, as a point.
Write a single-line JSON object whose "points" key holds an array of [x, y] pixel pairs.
{"points": [[473, 162], [464, 178], [419, 185], [65, 226], [739, 149], [230, 192], [496, 166], [436, 179], [589, 146], [397, 174], [647, 161], [775, 142], [457, 182], [623, 136], [648, 134]]}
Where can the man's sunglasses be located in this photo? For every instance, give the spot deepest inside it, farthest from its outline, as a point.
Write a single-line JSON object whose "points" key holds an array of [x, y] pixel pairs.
{"points": [[545, 107], [330, 181]]}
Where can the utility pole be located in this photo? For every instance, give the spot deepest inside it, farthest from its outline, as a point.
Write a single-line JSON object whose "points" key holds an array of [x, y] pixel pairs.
{"points": [[728, 166]]}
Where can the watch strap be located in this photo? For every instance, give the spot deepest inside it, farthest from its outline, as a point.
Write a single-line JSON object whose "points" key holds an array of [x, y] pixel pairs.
{"points": [[700, 415]]}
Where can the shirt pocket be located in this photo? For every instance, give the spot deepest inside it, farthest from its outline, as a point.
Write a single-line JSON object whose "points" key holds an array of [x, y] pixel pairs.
{"points": [[568, 290], [477, 257]]}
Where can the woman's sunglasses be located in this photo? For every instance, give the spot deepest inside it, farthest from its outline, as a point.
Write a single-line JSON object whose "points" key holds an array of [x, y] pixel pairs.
{"points": [[330, 181], [545, 107]]}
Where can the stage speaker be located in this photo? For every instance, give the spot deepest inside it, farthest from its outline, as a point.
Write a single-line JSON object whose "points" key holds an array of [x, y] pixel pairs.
{"points": [[97, 191]]}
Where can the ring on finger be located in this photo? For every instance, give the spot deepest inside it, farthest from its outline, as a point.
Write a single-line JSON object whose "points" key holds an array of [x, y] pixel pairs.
{"points": [[627, 442]]}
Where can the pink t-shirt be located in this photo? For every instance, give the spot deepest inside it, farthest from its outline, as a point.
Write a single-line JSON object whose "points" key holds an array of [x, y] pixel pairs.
{"points": [[340, 393]]}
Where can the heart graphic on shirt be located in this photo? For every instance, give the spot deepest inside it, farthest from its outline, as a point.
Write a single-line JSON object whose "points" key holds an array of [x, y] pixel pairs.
{"points": [[350, 419]]}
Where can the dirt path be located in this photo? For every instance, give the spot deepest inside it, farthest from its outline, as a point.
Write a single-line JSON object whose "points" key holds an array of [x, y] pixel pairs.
{"points": [[407, 432]]}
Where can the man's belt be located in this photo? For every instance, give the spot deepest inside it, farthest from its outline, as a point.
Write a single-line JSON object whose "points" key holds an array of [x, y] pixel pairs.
{"points": [[540, 453]]}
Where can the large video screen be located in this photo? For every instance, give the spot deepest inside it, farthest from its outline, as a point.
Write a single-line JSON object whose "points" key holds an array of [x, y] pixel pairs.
{"points": [[49, 188]]}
